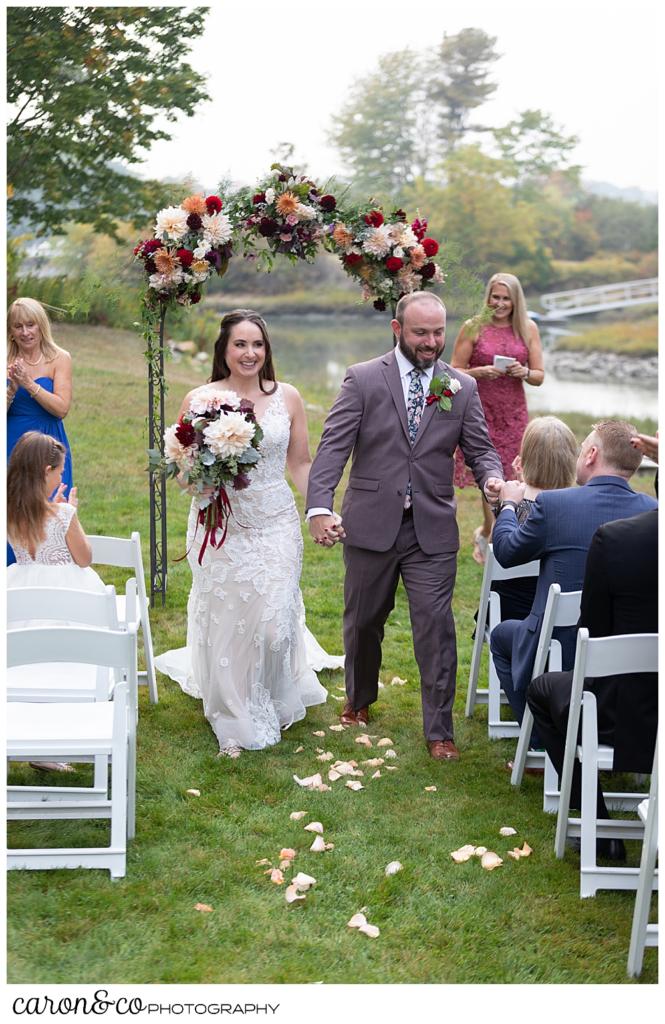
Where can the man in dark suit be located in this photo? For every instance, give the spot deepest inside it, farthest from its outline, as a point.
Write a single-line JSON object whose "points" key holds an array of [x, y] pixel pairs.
{"points": [[558, 531], [620, 595], [399, 507]]}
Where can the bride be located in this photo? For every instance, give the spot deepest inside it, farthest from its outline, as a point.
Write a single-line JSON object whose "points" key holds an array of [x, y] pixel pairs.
{"points": [[247, 644]]}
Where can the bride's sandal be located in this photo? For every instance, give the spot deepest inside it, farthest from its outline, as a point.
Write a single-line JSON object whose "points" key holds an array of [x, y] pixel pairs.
{"points": [[479, 546]]}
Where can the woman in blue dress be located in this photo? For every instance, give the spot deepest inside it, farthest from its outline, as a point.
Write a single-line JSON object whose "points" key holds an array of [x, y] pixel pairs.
{"points": [[39, 382]]}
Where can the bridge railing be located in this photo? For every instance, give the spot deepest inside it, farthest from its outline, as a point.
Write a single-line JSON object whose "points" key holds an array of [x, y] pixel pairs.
{"points": [[624, 293]]}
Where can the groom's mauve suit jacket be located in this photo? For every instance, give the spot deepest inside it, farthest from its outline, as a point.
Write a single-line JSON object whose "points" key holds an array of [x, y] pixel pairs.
{"points": [[368, 418]]}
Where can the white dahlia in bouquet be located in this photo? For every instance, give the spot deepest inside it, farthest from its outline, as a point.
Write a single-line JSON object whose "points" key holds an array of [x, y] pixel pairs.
{"points": [[215, 443], [389, 258], [191, 242]]}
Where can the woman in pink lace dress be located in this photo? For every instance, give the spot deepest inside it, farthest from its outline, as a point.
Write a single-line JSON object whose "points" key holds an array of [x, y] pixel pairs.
{"points": [[512, 335]]}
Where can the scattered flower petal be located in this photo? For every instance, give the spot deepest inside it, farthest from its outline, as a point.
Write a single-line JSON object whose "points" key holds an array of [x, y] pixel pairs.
{"points": [[276, 876], [356, 921], [396, 681], [390, 753], [334, 775], [297, 815], [264, 861], [430, 789], [463, 854], [507, 831], [479, 851], [299, 750], [385, 741], [374, 762], [525, 850], [336, 696], [314, 826], [490, 860], [311, 782], [515, 854], [322, 788], [319, 732], [303, 881], [336, 728], [370, 930], [355, 786], [391, 767], [393, 868], [284, 865], [318, 846], [287, 852], [377, 774], [193, 792], [344, 768], [330, 846], [325, 756], [365, 740], [203, 908], [291, 894]]}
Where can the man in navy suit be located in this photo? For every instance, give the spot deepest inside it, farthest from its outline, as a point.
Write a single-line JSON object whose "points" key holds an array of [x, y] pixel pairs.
{"points": [[559, 531]]}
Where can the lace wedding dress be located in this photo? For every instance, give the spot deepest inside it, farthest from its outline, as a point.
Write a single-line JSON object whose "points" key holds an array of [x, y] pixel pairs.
{"points": [[246, 652]]}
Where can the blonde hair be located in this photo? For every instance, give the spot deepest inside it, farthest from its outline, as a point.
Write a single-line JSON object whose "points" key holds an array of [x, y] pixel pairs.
{"points": [[24, 311], [548, 454], [28, 506], [614, 442], [519, 319]]}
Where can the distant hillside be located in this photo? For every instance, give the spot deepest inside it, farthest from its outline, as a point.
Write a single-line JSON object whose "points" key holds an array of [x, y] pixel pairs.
{"points": [[630, 195]]}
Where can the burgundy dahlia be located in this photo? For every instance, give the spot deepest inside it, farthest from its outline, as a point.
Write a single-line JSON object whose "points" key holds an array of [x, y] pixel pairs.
{"points": [[185, 433], [259, 197], [352, 258], [328, 203], [194, 221], [185, 256], [393, 264], [431, 246], [428, 271], [379, 304], [268, 227], [213, 204], [374, 218]]}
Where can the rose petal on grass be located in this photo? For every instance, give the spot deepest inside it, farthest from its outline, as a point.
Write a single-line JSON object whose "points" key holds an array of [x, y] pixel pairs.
{"points": [[284, 865], [525, 850], [322, 788], [506, 830], [355, 786], [392, 868], [396, 681], [297, 815], [193, 792], [463, 854], [430, 789], [365, 740], [385, 741], [391, 767], [314, 826], [203, 908], [374, 762], [490, 860], [327, 755], [515, 854], [356, 921], [382, 686], [479, 851], [336, 696], [343, 768], [299, 750], [287, 852], [334, 775], [276, 876], [336, 728], [377, 774], [291, 894], [311, 782], [319, 732], [303, 881], [370, 930], [330, 846], [264, 861], [390, 753], [318, 846]]}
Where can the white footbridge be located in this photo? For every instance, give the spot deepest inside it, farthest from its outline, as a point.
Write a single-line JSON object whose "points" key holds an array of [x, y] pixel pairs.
{"points": [[560, 305]]}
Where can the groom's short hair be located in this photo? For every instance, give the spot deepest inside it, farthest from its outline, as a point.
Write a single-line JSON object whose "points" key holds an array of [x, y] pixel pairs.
{"points": [[407, 300]]}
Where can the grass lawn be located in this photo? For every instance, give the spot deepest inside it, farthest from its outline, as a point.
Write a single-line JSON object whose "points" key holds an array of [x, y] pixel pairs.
{"points": [[440, 921]]}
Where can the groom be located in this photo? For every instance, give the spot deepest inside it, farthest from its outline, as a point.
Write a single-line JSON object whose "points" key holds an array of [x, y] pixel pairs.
{"points": [[399, 507]]}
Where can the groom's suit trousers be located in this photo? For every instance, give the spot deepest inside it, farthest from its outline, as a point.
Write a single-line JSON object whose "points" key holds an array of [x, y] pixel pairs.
{"points": [[369, 596]]}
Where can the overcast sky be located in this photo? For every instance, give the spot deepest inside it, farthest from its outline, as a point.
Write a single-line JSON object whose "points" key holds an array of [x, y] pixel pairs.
{"points": [[277, 72]]}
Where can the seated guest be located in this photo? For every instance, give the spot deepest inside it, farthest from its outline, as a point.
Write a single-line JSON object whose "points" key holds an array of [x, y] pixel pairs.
{"points": [[558, 531], [620, 595], [546, 462]]}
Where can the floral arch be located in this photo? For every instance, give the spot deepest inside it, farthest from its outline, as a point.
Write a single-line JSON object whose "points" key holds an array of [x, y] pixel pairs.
{"points": [[286, 214]]}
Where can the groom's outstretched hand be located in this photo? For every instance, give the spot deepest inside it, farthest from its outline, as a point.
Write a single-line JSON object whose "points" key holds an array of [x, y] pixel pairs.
{"points": [[326, 530]]}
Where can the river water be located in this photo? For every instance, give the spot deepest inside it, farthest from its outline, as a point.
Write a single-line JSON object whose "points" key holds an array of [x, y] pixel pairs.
{"points": [[314, 351]]}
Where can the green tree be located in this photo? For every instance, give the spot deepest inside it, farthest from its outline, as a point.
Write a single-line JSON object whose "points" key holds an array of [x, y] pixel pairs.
{"points": [[533, 147], [461, 82], [89, 87], [377, 130], [624, 226]]}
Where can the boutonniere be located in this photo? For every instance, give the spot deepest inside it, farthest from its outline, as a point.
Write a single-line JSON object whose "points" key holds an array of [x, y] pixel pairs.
{"points": [[441, 391]]}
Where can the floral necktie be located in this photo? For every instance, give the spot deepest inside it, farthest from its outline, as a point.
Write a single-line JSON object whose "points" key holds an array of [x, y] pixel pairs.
{"points": [[415, 400]]}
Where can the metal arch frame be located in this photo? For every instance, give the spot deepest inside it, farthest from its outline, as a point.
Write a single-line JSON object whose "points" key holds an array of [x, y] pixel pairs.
{"points": [[156, 388]]}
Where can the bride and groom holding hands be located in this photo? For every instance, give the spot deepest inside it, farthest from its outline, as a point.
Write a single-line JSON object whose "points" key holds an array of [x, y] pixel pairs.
{"points": [[400, 417]]}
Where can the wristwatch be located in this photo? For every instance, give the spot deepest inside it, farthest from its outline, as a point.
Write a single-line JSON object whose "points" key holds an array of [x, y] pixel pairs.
{"points": [[504, 504]]}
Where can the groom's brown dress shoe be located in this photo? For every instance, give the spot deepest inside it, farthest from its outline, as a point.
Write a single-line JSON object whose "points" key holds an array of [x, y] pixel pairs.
{"points": [[351, 717], [443, 750]]}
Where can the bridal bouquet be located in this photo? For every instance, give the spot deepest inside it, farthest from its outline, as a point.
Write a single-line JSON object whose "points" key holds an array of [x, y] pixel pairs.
{"points": [[191, 241], [285, 213], [213, 444], [388, 258]]}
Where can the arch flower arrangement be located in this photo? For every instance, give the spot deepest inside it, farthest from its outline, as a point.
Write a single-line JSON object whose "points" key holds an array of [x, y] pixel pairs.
{"points": [[285, 214]]}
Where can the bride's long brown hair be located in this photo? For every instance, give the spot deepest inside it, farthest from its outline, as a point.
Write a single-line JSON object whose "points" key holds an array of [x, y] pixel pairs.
{"points": [[220, 369], [28, 506]]}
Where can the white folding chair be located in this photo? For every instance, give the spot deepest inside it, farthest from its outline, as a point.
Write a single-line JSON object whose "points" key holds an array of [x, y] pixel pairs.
{"points": [[595, 659], [492, 694], [642, 933], [76, 732], [561, 609], [126, 554], [29, 606]]}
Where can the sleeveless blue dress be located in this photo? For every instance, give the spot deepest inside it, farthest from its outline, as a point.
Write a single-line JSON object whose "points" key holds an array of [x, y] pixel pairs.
{"points": [[24, 414]]}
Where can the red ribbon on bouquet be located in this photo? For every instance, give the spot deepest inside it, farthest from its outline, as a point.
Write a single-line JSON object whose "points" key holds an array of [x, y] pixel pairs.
{"points": [[214, 517]]}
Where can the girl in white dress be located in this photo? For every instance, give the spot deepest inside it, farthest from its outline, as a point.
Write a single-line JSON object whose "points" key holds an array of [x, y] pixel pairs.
{"points": [[246, 655]]}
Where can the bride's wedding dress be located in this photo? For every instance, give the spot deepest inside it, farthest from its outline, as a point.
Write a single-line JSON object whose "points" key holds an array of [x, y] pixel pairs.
{"points": [[247, 652]]}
